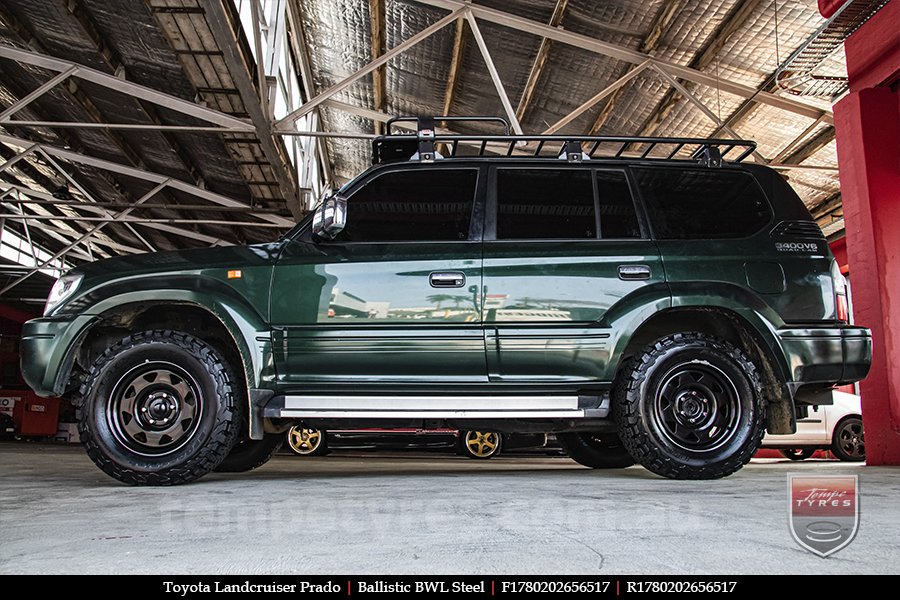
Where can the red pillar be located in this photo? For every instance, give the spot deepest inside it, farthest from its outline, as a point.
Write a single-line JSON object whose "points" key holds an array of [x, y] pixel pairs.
{"points": [[867, 122]]}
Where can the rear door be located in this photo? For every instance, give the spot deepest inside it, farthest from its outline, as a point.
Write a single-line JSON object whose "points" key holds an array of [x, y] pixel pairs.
{"points": [[563, 245], [395, 297]]}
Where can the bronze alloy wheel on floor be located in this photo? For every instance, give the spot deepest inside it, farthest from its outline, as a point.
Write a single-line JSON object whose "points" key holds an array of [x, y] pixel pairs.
{"points": [[481, 444], [304, 441]]}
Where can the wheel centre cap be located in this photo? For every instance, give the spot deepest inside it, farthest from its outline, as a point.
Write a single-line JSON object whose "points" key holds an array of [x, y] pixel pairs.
{"points": [[160, 408], [691, 406]]}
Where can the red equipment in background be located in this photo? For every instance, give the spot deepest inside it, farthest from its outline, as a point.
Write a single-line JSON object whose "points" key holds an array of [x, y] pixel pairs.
{"points": [[32, 415]]}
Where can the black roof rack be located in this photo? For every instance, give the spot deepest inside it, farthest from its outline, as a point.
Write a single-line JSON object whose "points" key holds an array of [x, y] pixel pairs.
{"points": [[426, 145]]}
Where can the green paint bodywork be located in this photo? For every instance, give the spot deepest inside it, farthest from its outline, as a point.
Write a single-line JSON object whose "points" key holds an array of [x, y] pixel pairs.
{"points": [[536, 315]]}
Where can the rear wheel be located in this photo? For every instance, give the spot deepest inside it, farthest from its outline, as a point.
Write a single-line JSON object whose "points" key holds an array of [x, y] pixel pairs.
{"points": [[849, 441], [690, 406], [797, 453], [250, 454], [480, 444], [158, 408], [596, 450], [304, 441]]}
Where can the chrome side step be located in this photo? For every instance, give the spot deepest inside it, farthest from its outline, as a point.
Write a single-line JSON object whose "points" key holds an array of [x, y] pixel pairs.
{"points": [[437, 407]]}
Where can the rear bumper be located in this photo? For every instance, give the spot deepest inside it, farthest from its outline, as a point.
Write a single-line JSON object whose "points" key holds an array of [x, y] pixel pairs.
{"points": [[827, 355], [47, 351]]}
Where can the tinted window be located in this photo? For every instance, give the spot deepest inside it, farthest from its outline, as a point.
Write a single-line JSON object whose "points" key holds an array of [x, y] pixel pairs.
{"points": [[545, 204], [413, 205], [688, 204], [617, 216]]}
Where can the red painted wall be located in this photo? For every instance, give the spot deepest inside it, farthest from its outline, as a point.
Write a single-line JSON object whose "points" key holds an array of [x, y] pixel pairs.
{"points": [[839, 249], [867, 122]]}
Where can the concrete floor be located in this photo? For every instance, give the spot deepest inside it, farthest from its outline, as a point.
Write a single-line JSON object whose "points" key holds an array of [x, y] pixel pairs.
{"points": [[362, 513]]}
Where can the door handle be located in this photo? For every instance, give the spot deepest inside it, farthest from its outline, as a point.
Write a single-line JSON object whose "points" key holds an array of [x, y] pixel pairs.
{"points": [[447, 279], [634, 272]]}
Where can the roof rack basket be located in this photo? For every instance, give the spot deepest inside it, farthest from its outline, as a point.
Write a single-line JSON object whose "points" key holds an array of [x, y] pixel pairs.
{"points": [[426, 144]]}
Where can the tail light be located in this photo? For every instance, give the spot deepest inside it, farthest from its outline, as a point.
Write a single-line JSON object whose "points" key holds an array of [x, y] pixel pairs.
{"points": [[843, 311], [842, 308]]}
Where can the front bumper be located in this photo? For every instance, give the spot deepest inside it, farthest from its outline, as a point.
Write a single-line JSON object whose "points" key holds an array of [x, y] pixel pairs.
{"points": [[47, 351], [828, 355]]}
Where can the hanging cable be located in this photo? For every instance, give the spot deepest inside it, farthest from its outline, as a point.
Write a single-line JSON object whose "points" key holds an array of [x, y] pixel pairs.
{"points": [[718, 91], [777, 52]]}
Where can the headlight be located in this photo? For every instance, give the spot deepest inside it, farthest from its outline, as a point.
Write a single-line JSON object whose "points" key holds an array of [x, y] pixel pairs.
{"points": [[62, 290]]}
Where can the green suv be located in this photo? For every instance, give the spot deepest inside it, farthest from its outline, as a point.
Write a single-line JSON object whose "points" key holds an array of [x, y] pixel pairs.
{"points": [[649, 300]]}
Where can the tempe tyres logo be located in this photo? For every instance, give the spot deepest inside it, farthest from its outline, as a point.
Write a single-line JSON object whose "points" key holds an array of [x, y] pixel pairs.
{"points": [[823, 511]]}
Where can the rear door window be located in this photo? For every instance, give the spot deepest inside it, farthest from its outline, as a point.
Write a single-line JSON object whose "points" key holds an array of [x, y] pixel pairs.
{"points": [[561, 204], [545, 204], [618, 219]]}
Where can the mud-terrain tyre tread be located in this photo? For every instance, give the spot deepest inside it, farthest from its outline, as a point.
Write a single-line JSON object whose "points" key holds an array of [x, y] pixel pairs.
{"points": [[219, 441], [627, 408]]}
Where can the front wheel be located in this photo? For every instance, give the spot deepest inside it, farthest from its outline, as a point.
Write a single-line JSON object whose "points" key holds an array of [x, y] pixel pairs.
{"points": [[158, 408], [596, 450], [690, 406], [480, 445], [797, 453], [849, 440]]}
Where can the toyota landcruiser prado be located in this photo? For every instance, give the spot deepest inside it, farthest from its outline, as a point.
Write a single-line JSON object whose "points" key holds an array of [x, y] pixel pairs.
{"points": [[649, 300]]}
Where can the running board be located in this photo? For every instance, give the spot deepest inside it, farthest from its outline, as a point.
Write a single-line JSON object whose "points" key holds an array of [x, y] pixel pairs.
{"points": [[437, 407]]}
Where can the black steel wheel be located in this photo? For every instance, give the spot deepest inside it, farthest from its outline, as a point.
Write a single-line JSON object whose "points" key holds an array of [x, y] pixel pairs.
{"points": [[797, 453], [849, 440], [596, 450], [158, 408], [154, 408], [690, 406]]}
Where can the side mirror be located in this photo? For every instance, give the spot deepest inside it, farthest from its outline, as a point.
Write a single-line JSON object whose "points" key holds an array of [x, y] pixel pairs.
{"points": [[330, 218]]}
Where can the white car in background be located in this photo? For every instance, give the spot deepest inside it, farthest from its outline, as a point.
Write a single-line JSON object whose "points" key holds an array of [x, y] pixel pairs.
{"points": [[837, 427]]}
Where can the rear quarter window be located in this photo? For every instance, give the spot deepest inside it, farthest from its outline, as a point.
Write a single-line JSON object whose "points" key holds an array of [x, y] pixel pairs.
{"points": [[690, 204]]}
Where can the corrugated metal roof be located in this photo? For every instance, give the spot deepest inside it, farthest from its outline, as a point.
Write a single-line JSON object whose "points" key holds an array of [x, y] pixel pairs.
{"points": [[171, 46]]}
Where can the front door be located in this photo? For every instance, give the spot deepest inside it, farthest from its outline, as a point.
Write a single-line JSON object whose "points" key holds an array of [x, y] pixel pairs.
{"points": [[395, 297], [563, 246]]}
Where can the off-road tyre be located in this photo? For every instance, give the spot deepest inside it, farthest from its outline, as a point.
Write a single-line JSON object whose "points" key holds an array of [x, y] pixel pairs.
{"points": [[208, 413], [658, 393]]}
